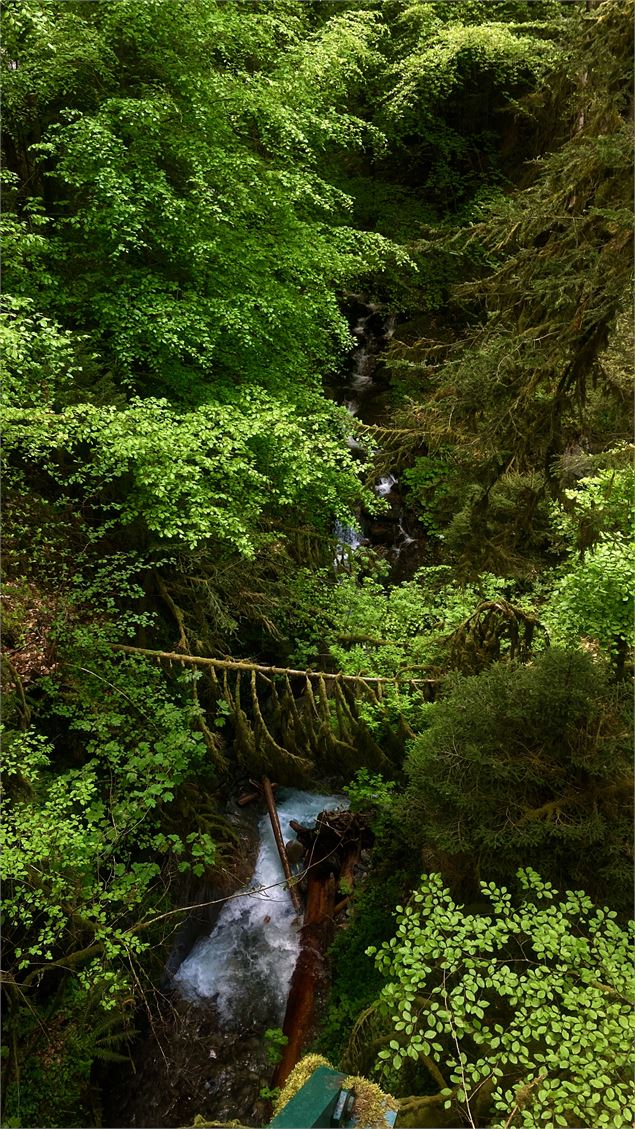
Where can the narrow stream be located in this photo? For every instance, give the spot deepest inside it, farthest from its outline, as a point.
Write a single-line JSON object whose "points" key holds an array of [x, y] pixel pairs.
{"points": [[395, 533], [245, 965], [210, 1058]]}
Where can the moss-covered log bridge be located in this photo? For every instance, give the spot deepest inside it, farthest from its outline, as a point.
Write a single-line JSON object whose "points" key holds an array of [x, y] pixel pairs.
{"points": [[285, 721]]}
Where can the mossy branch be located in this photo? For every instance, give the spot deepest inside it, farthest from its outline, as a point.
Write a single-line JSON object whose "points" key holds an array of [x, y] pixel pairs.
{"points": [[176, 612], [238, 665]]}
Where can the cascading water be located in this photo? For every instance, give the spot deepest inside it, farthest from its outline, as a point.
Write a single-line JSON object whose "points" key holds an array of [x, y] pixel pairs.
{"points": [[385, 485], [394, 531], [361, 384], [234, 984], [348, 539], [373, 330], [246, 964]]}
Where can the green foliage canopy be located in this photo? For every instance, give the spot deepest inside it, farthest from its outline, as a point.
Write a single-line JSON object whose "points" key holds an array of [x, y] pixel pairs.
{"points": [[192, 476], [177, 254]]}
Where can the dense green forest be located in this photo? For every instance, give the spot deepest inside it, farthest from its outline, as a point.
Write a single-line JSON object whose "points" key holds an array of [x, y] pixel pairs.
{"points": [[201, 200]]}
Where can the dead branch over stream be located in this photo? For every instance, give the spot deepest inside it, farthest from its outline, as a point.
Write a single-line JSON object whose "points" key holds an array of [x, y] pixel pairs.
{"points": [[277, 834], [285, 722]]}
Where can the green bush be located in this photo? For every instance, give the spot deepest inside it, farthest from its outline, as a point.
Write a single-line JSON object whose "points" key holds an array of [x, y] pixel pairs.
{"points": [[526, 765], [525, 1008]]}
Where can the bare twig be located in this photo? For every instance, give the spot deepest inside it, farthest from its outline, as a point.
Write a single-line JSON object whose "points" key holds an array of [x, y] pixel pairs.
{"points": [[458, 1055]]}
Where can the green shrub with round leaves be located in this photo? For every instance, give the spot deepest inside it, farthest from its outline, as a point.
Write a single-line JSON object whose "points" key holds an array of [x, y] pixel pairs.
{"points": [[523, 1012]]}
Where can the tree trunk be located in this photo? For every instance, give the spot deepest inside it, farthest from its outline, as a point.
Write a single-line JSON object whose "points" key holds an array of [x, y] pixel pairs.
{"points": [[277, 834], [310, 974]]}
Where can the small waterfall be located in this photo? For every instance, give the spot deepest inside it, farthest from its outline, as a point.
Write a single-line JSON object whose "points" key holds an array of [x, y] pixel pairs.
{"points": [[372, 329], [348, 539], [385, 485], [406, 539], [365, 355], [392, 531], [246, 964]]}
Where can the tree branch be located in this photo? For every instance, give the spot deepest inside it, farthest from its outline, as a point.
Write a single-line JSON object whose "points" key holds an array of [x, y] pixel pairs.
{"points": [[234, 664]]}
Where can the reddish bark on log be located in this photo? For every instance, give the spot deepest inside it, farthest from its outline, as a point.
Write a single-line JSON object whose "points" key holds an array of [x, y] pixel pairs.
{"points": [[247, 798], [333, 849], [310, 974]]}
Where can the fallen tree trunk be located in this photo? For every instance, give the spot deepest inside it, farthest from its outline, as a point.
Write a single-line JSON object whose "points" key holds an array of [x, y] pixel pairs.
{"points": [[277, 834], [333, 848], [310, 973]]}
